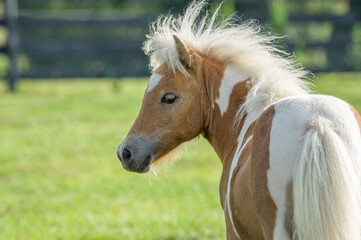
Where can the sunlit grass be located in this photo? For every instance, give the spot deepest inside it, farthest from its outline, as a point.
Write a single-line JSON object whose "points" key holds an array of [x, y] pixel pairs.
{"points": [[60, 177], [346, 86]]}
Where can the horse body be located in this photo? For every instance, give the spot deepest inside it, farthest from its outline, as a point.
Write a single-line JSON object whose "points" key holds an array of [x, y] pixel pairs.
{"points": [[257, 177], [288, 121], [290, 159]]}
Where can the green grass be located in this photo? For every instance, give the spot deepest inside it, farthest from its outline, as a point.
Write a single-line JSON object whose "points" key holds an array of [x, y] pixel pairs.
{"points": [[60, 177], [345, 86]]}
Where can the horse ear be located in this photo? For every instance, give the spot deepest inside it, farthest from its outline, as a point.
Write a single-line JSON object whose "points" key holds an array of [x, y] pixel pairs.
{"points": [[182, 51]]}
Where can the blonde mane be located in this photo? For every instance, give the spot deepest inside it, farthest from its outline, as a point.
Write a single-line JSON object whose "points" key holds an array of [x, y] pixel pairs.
{"points": [[242, 45]]}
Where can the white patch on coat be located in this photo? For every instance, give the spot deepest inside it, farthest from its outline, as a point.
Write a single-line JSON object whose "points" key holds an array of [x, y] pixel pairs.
{"points": [[153, 81], [285, 140], [231, 76], [247, 123], [292, 119]]}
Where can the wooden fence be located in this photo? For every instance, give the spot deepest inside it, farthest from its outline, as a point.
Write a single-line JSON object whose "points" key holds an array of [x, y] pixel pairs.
{"points": [[88, 43]]}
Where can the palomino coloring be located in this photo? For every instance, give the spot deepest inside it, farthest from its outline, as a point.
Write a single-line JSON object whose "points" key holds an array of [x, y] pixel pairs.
{"points": [[290, 158]]}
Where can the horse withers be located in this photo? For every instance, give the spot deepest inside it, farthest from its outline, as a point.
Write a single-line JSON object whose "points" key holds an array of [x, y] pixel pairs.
{"points": [[290, 158]]}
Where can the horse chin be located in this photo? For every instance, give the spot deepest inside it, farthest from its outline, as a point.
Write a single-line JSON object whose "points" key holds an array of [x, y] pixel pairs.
{"points": [[164, 160], [142, 168], [146, 165]]}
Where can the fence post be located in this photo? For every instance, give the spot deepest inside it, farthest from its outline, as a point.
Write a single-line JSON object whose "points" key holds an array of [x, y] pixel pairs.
{"points": [[13, 40]]}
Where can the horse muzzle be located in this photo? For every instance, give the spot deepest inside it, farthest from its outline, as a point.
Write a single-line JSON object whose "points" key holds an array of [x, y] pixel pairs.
{"points": [[136, 153]]}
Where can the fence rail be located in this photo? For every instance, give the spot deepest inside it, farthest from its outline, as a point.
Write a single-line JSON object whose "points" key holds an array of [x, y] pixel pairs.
{"points": [[89, 43]]}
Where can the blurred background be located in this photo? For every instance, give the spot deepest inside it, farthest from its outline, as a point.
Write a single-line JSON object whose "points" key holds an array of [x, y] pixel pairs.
{"points": [[103, 38], [79, 75]]}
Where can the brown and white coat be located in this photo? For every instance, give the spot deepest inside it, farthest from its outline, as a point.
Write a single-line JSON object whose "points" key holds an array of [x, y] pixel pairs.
{"points": [[290, 159]]}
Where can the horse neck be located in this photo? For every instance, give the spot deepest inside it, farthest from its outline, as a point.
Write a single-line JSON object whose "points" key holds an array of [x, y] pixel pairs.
{"points": [[221, 129]]}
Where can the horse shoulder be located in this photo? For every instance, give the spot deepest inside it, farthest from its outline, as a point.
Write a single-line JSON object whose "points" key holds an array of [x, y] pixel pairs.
{"points": [[245, 217]]}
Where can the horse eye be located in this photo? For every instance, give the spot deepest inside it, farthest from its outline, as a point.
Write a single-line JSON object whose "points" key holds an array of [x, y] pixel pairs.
{"points": [[169, 98]]}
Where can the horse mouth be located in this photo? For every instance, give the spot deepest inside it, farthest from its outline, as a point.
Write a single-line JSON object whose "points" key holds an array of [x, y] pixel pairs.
{"points": [[145, 165]]}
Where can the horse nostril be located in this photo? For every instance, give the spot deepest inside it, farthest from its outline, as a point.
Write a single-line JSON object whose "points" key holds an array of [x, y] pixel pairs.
{"points": [[126, 155]]}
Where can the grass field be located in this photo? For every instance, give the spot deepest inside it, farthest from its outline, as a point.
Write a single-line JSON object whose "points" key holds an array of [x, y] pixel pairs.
{"points": [[60, 177]]}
